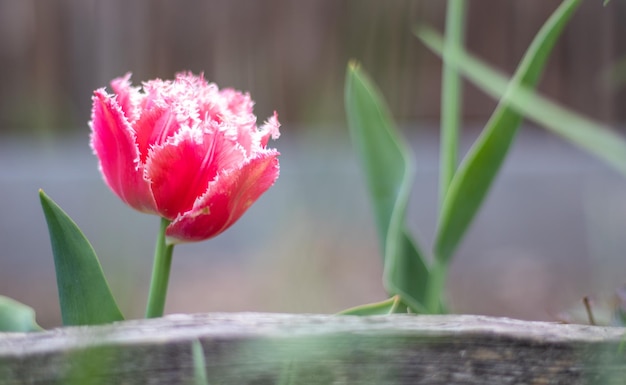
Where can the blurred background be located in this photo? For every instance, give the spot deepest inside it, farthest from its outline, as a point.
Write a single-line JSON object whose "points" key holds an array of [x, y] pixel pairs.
{"points": [[551, 230]]}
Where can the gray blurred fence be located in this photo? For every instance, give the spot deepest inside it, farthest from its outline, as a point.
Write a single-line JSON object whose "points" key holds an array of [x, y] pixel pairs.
{"points": [[550, 232]]}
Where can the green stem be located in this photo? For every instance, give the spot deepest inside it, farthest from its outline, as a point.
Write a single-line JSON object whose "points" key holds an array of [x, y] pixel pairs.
{"points": [[436, 287], [450, 98], [160, 274]]}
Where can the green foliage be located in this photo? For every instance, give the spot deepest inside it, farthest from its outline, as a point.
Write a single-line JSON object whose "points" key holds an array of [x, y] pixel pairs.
{"points": [[593, 137], [392, 305], [389, 169], [389, 173], [16, 317], [199, 364], [451, 97], [92, 365], [84, 294], [478, 170]]}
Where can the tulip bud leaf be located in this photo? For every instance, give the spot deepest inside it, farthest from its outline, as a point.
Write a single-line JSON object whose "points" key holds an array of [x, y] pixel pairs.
{"points": [[16, 317], [84, 293], [388, 168]]}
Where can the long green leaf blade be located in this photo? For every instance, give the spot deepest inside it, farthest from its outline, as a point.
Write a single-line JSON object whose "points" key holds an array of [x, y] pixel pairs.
{"points": [[389, 306], [594, 137], [84, 294], [406, 273], [451, 96], [16, 317], [389, 173], [475, 176]]}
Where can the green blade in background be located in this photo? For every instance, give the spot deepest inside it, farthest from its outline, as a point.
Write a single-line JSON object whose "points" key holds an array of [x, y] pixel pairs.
{"points": [[389, 173], [451, 99], [392, 305], [479, 168], [406, 273], [594, 137], [199, 364], [84, 294], [16, 317]]}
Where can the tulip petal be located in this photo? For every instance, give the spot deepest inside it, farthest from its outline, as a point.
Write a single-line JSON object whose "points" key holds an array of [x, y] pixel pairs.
{"points": [[127, 97], [154, 127], [113, 141], [180, 170], [270, 129], [226, 199], [237, 104]]}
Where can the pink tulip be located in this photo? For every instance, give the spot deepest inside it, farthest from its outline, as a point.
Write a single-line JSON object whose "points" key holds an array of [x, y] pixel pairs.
{"points": [[183, 150]]}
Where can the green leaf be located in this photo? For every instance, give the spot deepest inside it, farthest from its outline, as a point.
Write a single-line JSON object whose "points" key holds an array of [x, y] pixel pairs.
{"points": [[451, 97], [479, 168], [83, 291], [16, 317], [594, 137], [389, 175], [93, 365], [389, 306], [199, 364]]}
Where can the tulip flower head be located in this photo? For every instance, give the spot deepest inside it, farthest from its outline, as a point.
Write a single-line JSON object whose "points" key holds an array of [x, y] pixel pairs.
{"points": [[184, 150]]}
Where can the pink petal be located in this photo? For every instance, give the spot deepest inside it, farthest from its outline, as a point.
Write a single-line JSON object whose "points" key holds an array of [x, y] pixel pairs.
{"points": [[181, 169], [154, 127], [113, 141], [242, 133], [125, 95], [226, 199], [270, 129], [237, 103]]}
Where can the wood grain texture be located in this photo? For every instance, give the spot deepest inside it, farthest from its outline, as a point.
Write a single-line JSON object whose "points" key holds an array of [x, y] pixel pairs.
{"points": [[259, 349]]}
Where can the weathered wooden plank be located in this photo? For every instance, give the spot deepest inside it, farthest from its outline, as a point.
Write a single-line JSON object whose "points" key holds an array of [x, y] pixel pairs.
{"points": [[256, 348]]}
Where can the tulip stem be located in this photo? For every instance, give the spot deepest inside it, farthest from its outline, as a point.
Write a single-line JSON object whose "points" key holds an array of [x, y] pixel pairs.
{"points": [[160, 274]]}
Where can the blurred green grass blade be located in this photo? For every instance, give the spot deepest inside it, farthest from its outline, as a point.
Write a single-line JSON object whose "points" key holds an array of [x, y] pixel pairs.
{"points": [[288, 374], [84, 294], [594, 137], [389, 174], [406, 273], [199, 364], [16, 317], [476, 173], [451, 97], [389, 306], [92, 365]]}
